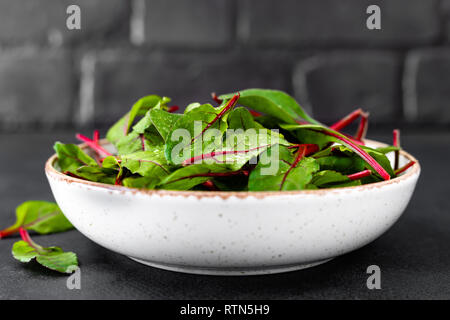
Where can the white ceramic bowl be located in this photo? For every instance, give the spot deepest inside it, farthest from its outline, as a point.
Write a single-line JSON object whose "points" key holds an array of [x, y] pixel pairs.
{"points": [[232, 233]]}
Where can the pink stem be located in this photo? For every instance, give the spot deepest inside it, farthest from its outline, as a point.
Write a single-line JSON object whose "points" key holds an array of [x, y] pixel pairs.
{"points": [[96, 136], [218, 153], [405, 167], [346, 120], [396, 143], [362, 129], [229, 105], [141, 136], [363, 155], [299, 155], [310, 148], [359, 175], [91, 143]]}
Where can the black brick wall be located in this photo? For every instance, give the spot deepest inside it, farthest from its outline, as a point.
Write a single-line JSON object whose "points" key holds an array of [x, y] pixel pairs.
{"points": [[319, 51]]}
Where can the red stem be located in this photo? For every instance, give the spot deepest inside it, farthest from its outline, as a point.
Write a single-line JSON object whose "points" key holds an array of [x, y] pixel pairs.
{"points": [[218, 153], [95, 146], [7, 232], [254, 113], [359, 175], [363, 155], [310, 148], [173, 109], [346, 120], [141, 136], [405, 167], [210, 185], [298, 156], [229, 105], [363, 125], [396, 143], [216, 98], [96, 136]]}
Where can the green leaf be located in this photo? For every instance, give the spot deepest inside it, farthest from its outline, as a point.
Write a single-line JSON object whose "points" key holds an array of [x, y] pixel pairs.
{"points": [[71, 157], [97, 174], [53, 258], [282, 172], [323, 133], [187, 139], [387, 149], [241, 118], [40, 216], [164, 121], [274, 103], [188, 177], [150, 163], [343, 164], [326, 177], [242, 146], [122, 127]]}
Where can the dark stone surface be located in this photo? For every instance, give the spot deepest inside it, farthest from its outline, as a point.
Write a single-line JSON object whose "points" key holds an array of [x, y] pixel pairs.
{"points": [[334, 84], [414, 256], [329, 22], [198, 23]]}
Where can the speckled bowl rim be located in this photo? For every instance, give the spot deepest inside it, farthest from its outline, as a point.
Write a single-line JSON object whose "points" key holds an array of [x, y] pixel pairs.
{"points": [[412, 171]]}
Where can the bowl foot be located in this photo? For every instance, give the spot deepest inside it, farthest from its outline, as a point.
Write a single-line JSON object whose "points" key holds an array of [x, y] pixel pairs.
{"points": [[231, 271]]}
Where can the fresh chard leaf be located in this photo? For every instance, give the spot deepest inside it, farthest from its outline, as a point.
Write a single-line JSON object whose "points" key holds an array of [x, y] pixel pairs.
{"points": [[274, 103], [334, 136], [53, 258], [151, 163], [97, 174], [122, 127], [292, 172], [164, 121], [40, 216], [241, 118], [328, 177], [239, 148], [188, 177], [188, 138], [71, 157]]}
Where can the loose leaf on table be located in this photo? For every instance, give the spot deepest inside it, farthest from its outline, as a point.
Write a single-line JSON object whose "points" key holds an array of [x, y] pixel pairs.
{"points": [[274, 103], [40, 216], [53, 258], [292, 172]]}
